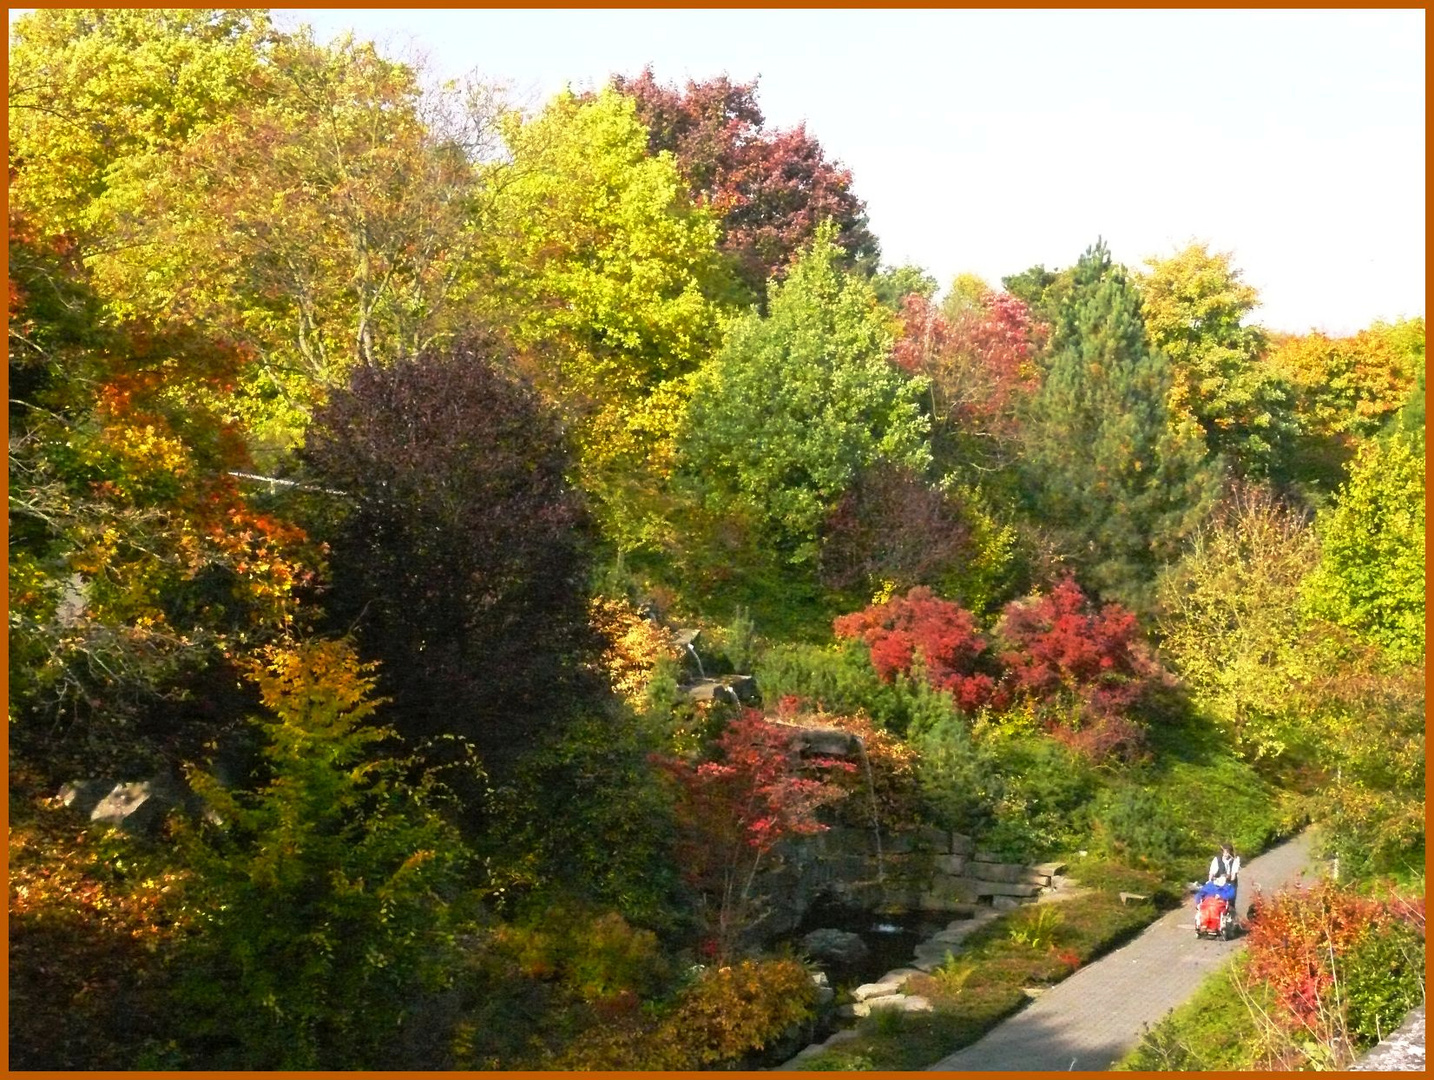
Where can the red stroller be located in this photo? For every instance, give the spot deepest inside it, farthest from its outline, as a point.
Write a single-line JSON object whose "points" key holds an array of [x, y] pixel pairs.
{"points": [[1215, 918]]}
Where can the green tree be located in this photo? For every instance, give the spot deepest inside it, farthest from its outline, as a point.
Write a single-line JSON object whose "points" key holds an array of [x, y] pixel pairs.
{"points": [[894, 284], [1371, 573], [797, 402], [1117, 484], [1195, 306], [605, 277]]}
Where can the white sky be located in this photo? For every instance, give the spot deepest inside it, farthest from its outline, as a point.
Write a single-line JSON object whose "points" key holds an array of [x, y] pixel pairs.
{"points": [[987, 141]]}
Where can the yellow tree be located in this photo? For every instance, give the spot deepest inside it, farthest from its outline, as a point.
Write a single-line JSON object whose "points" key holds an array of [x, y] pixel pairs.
{"points": [[1195, 308], [607, 280]]}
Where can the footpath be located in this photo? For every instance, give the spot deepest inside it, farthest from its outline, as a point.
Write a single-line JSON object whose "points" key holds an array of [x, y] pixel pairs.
{"points": [[1090, 1020]]}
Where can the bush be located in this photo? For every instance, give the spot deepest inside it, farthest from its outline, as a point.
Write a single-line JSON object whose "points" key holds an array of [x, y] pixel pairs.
{"points": [[325, 900], [1134, 822], [941, 633]]}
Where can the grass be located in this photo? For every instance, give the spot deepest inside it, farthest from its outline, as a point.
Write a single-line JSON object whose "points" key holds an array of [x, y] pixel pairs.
{"points": [[1211, 1031]]}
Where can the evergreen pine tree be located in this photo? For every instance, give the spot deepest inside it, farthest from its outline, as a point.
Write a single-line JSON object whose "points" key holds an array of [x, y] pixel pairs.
{"points": [[1116, 483]]}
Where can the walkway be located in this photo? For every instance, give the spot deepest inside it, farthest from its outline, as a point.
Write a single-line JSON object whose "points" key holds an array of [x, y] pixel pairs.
{"points": [[1090, 1020]]}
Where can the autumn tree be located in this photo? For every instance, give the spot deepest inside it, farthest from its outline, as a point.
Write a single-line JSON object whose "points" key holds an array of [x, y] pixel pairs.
{"points": [[1370, 577], [605, 278], [799, 401], [979, 359], [136, 561], [458, 553], [1107, 473], [1195, 308], [1231, 621], [736, 809], [1346, 389], [769, 189], [322, 222], [90, 90]]}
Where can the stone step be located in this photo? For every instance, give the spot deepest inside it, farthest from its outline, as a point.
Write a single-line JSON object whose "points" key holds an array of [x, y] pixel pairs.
{"points": [[1006, 888]]}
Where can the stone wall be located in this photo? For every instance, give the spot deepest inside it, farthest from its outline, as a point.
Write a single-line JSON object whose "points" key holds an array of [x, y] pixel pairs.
{"points": [[925, 869]]}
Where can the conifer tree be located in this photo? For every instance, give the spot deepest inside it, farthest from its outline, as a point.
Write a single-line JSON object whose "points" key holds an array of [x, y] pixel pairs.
{"points": [[1117, 484]]}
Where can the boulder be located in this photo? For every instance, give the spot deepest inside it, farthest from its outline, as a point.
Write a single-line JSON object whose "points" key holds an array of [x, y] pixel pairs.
{"points": [[1011, 872], [962, 845], [840, 946], [1005, 903], [894, 1002], [136, 806]]}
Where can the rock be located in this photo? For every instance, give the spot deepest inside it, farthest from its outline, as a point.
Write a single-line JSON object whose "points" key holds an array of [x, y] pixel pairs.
{"points": [[1005, 903], [1008, 872], [893, 1002], [882, 988], [840, 946], [962, 845], [828, 742], [1003, 888], [951, 864], [138, 806], [1049, 869], [933, 839]]}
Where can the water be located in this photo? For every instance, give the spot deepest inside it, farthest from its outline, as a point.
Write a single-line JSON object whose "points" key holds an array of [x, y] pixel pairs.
{"points": [[875, 819], [890, 938]]}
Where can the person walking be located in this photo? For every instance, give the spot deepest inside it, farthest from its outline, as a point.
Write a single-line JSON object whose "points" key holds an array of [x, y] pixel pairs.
{"points": [[1226, 864]]}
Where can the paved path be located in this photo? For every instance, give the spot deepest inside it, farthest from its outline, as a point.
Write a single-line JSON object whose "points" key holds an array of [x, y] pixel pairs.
{"points": [[1092, 1019]]}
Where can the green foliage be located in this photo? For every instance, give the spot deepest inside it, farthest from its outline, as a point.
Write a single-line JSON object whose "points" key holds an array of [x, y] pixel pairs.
{"points": [[1382, 980], [1137, 823], [1140, 484], [894, 284], [586, 815], [1370, 577], [1042, 803], [797, 402], [325, 900], [957, 779], [1037, 928]]}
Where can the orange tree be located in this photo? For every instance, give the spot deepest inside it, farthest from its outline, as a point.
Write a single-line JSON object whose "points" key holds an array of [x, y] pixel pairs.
{"points": [[136, 562]]}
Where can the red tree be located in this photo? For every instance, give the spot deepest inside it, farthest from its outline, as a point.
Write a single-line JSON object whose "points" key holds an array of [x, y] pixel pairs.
{"points": [[980, 362], [941, 632], [771, 188], [735, 810]]}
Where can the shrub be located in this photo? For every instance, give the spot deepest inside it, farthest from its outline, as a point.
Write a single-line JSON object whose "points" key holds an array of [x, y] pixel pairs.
{"points": [[1340, 966], [1135, 822], [725, 1013], [942, 633], [957, 780], [324, 900], [1089, 668]]}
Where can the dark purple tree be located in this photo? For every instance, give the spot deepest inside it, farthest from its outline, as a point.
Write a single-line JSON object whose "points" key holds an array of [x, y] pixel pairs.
{"points": [[462, 556]]}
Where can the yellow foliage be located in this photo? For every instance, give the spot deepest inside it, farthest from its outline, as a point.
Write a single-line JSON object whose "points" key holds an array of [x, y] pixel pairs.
{"points": [[634, 646]]}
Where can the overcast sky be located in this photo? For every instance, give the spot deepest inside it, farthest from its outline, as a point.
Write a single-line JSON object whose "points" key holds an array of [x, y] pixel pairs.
{"points": [[987, 141]]}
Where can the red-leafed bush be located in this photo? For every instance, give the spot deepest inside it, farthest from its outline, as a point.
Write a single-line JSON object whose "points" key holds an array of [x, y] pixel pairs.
{"points": [[1057, 643], [1087, 667], [941, 632], [1311, 947], [733, 811]]}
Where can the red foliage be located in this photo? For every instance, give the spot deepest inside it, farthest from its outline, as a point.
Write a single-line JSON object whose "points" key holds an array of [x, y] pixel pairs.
{"points": [[1297, 938], [981, 363], [771, 188], [1055, 643], [942, 632], [733, 811]]}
